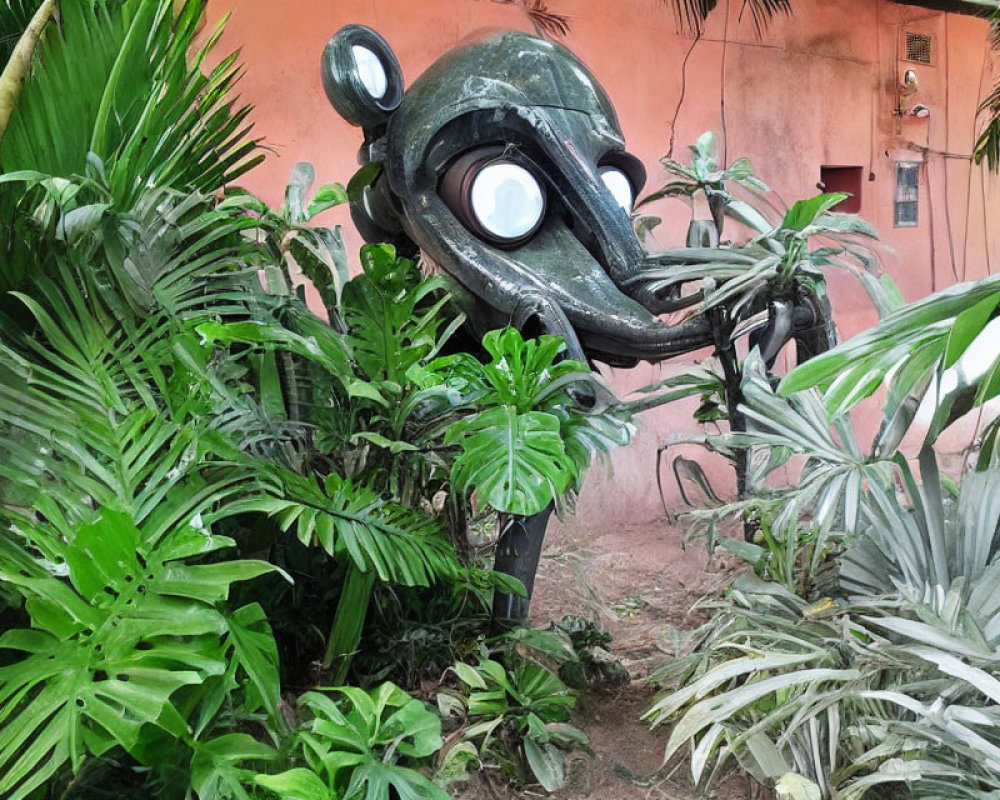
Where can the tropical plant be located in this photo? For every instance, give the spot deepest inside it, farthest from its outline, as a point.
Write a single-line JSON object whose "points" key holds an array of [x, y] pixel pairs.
{"points": [[885, 682], [111, 647], [356, 748], [916, 349], [541, 422], [704, 177], [130, 635], [749, 291], [778, 260], [155, 397], [802, 523], [518, 713], [988, 144], [890, 686], [293, 245], [149, 114]]}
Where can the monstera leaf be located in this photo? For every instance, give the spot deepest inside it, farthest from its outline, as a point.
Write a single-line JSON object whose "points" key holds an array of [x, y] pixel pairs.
{"points": [[532, 439], [517, 462], [109, 647]]}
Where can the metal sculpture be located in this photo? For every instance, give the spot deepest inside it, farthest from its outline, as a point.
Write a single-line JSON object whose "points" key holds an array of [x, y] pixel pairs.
{"points": [[504, 163]]}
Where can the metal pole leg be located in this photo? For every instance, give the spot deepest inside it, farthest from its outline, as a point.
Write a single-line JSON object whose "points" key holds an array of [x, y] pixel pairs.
{"points": [[518, 552]]}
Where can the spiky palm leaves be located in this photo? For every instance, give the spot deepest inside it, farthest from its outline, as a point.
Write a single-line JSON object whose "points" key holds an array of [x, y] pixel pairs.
{"points": [[886, 685], [988, 144], [115, 80], [129, 439], [889, 684]]}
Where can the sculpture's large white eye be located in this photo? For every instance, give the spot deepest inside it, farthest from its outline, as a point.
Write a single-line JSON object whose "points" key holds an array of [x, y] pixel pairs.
{"points": [[619, 185], [507, 200], [370, 70]]}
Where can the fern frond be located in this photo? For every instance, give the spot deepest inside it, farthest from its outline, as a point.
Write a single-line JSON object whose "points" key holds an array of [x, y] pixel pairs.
{"points": [[401, 545]]}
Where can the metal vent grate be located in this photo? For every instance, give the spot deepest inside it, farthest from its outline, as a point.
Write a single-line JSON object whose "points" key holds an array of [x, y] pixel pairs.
{"points": [[918, 47]]}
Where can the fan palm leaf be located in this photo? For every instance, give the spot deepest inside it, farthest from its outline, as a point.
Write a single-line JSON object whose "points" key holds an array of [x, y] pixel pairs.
{"points": [[114, 93]]}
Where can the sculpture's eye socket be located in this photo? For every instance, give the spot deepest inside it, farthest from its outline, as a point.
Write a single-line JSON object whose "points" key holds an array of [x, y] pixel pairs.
{"points": [[507, 200], [619, 185], [500, 199], [370, 70]]}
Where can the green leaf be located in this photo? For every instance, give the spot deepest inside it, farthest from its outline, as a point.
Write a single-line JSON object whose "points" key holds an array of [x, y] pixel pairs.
{"points": [[296, 784], [106, 656], [219, 768], [805, 212], [517, 463], [966, 327], [547, 764], [793, 786], [327, 196]]}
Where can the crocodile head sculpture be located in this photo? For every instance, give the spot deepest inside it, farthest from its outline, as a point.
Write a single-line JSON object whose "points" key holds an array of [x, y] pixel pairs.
{"points": [[504, 164]]}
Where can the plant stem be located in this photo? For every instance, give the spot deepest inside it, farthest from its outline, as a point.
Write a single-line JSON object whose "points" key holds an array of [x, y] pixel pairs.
{"points": [[352, 608], [16, 72]]}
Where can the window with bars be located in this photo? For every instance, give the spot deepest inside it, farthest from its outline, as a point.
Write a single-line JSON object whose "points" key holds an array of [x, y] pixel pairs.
{"points": [[918, 47], [907, 193]]}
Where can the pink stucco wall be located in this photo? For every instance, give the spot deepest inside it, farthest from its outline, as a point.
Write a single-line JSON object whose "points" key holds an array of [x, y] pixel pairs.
{"points": [[817, 89]]}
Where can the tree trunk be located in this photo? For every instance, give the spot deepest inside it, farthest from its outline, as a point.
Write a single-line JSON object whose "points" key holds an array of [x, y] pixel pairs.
{"points": [[16, 72]]}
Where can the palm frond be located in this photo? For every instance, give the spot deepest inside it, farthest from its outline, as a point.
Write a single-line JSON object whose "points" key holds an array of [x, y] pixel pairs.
{"points": [[14, 20], [547, 22], [115, 80], [763, 11], [400, 545], [691, 14], [115, 86], [988, 144]]}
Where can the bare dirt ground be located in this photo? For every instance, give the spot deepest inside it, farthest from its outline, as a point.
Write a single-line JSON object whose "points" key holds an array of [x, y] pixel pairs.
{"points": [[643, 585]]}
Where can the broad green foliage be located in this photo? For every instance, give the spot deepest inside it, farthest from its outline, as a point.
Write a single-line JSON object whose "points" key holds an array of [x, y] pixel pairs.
{"points": [[109, 650], [911, 349], [790, 249], [793, 251], [542, 423], [521, 709], [888, 681], [160, 408], [294, 244], [865, 664], [356, 748]]}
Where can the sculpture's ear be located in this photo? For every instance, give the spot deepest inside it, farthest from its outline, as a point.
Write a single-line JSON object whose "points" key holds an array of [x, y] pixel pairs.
{"points": [[361, 76]]}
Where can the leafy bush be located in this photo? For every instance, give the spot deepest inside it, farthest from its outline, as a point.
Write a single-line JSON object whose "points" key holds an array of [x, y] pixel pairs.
{"points": [[158, 407], [518, 713], [885, 684], [354, 748]]}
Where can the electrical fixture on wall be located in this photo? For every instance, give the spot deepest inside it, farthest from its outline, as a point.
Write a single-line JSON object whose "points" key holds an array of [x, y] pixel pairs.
{"points": [[907, 87]]}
